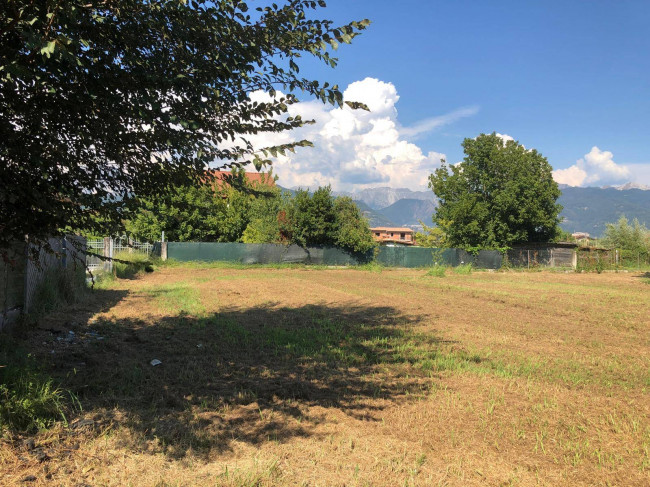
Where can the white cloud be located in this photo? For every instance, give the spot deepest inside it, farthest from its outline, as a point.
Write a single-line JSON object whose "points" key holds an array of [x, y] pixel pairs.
{"points": [[505, 137], [429, 124], [356, 149], [596, 167]]}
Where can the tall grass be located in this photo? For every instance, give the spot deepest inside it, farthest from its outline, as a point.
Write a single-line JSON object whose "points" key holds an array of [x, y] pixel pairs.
{"points": [[59, 287], [29, 400], [437, 271], [132, 263], [464, 269]]}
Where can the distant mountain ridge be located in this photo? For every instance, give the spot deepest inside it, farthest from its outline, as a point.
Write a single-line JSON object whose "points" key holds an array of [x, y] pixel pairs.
{"points": [[380, 198], [585, 209]]}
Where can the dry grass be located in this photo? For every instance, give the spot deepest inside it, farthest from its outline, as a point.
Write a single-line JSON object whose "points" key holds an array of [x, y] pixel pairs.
{"points": [[349, 377]]}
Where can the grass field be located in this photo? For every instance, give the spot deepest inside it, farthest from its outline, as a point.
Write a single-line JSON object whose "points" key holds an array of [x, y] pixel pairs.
{"points": [[321, 377]]}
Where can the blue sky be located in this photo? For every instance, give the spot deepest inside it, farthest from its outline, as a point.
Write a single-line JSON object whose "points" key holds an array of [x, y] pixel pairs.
{"points": [[563, 77]]}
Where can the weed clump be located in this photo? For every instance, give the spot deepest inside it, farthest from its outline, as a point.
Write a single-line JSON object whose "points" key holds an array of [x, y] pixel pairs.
{"points": [[437, 271], [127, 265], [463, 269], [29, 401]]}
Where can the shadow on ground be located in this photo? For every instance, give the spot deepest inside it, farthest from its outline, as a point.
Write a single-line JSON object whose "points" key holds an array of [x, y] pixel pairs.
{"points": [[248, 375]]}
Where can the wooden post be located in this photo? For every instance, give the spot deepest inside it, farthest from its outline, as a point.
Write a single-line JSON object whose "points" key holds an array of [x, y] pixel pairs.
{"points": [[163, 250]]}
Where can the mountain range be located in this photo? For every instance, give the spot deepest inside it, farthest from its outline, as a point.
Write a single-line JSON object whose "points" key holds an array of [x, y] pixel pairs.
{"points": [[585, 209]]}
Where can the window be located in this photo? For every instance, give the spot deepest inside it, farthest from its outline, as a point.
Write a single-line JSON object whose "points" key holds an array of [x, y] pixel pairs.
{"points": [[402, 236], [377, 234]]}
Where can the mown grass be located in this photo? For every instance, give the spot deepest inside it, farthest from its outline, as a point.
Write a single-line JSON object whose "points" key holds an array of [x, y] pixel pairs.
{"points": [[277, 377]]}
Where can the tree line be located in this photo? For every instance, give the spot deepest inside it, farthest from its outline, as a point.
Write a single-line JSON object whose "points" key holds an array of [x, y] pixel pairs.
{"points": [[252, 212]]}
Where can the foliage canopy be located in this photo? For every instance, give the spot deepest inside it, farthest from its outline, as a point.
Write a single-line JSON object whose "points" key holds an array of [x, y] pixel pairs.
{"points": [[104, 100], [499, 195], [253, 214], [622, 235]]}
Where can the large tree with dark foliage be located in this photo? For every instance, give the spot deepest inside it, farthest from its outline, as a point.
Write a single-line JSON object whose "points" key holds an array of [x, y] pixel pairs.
{"points": [[499, 195], [103, 100]]}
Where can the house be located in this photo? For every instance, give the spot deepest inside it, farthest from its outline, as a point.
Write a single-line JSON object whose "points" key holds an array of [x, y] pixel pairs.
{"points": [[393, 236]]}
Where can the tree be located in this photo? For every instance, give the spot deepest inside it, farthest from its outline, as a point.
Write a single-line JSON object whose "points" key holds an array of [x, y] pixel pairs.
{"points": [[499, 195], [352, 231], [263, 225], [105, 101], [185, 213], [622, 235], [319, 219], [311, 218], [432, 237]]}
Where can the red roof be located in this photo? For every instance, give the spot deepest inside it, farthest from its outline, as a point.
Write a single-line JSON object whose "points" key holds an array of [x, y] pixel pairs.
{"points": [[254, 178], [392, 229]]}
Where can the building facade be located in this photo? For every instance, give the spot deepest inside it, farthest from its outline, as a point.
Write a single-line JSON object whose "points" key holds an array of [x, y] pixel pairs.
{"points": [[393, 236]]}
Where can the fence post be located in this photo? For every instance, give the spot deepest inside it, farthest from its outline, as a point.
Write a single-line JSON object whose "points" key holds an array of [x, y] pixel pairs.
{"points": [[528, 259], [163, 250], [574, 259]]}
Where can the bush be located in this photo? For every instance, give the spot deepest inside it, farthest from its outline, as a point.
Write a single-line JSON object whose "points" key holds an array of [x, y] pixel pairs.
{"points": [[29, 401]]}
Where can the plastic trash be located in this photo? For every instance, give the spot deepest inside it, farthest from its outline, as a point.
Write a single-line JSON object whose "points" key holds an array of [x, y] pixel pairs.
{"points": [[155, 362]]}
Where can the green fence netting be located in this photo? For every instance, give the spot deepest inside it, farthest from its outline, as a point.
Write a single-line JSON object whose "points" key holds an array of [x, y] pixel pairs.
{"points": [[262, 253], [272, 253]]}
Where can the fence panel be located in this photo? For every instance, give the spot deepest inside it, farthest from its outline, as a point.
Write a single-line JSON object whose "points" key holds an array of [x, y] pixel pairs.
{"points": [[261, 253], [12, 273], [68, 252]]}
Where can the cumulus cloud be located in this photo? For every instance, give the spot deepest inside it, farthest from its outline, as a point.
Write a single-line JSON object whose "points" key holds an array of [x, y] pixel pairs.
{"points": [[505, 137], [356, 149], [596, 167]]}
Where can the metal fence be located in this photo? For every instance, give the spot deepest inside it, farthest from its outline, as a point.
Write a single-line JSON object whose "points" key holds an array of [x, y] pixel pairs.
{"points": [[102, 250], [541, 256], [28, 268]]}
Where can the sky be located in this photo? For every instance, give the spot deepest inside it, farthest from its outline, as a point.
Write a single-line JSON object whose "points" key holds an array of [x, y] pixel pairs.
{"points": [[569, 78]]}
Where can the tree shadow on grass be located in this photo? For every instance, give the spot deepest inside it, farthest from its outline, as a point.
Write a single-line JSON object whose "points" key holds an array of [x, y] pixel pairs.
{"points": [[251, 374]]}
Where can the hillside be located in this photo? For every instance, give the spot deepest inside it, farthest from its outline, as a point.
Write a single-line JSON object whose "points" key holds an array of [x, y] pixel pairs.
{"points": [[378, 198], [409, 212], [375, 218], [590, 209]]}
